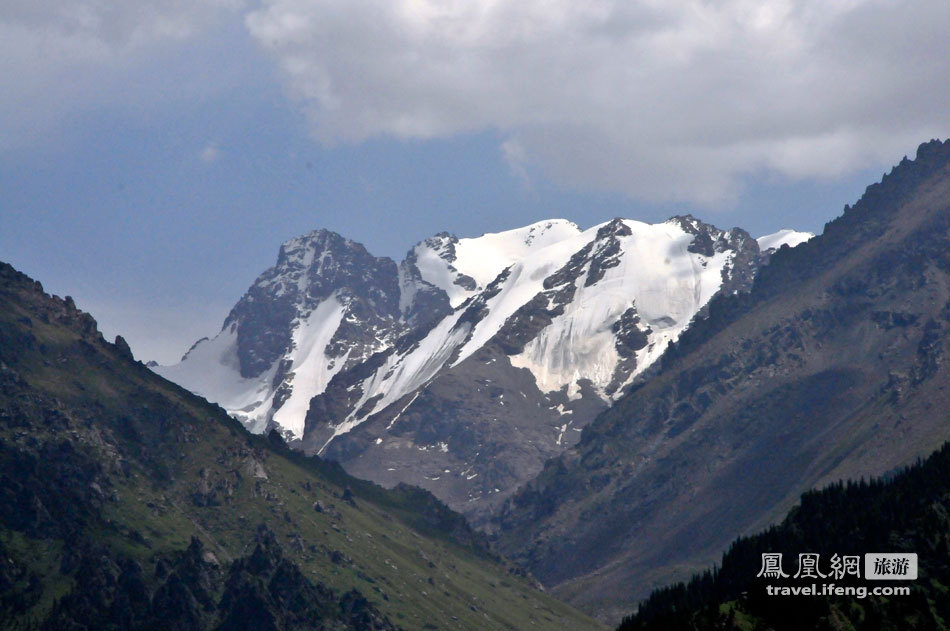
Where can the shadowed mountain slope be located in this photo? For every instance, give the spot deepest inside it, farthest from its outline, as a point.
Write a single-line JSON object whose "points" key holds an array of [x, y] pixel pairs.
{"points": [[833, 366]]}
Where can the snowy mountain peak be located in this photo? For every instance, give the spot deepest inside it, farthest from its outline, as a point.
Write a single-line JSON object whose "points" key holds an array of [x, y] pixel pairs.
{"points": [[531, 331], [484, 257], [619, 301], [314, 265], [325, 305]]}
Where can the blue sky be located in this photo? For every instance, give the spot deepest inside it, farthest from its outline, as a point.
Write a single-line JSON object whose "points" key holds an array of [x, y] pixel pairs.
{"points": [[153, 172]]}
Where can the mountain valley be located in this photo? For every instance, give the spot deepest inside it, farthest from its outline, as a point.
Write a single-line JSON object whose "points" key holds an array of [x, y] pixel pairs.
{"points": [[832, 367], [601, 411]]}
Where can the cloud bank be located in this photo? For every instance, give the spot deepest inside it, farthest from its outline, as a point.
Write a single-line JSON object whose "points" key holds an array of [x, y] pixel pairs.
{"points": [[662, 100], [61, 57], [657, 99]]}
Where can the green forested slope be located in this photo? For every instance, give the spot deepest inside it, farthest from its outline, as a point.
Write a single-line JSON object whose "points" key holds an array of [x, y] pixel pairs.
{"points": [[909, 513], [128, 503]]}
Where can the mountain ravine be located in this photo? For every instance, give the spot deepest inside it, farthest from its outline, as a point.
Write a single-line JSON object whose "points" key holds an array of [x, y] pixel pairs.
{"points": [[470, 363]]}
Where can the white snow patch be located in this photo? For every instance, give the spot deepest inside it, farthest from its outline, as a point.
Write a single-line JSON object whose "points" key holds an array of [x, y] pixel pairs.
{"points": [[212, 370], [524, 282], [310, 369], [483, 258], [405, 407], [306, 263], [785, 236], [665, 282]]}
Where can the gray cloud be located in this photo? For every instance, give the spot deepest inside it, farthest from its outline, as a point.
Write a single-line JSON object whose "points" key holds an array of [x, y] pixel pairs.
{"points": [[59, 57], [661, 100], [672, 100], [51, 31]]}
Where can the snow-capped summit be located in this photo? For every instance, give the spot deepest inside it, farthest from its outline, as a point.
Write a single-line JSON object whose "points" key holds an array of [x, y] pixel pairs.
{"points": [[327, 304], [785, 236], [466, 366], [462, 267]]}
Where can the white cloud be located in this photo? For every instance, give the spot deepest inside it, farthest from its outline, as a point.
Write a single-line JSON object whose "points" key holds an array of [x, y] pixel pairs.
{"points": [[517, 160], [659, 99]]}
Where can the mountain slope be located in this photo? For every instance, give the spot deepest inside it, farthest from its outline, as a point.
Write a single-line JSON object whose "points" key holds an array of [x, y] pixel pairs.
{"points": [[127, 502], [832, 367], [909, 512]]}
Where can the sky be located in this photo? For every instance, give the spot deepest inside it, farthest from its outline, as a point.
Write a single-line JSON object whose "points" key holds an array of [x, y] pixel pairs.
{"points": [[154, 154]]}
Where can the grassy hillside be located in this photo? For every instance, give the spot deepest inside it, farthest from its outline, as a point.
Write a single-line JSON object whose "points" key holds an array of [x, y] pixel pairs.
{"points": [[127, 502]]}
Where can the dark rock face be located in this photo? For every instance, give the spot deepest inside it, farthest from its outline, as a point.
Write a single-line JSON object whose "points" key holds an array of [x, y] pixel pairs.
{"points": [[309, 269], [469, 446], [630, 339], [264, 590], [833, 366], [709, 241], [427, 304], [123, 347], [607, 254], [341, 395]]}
